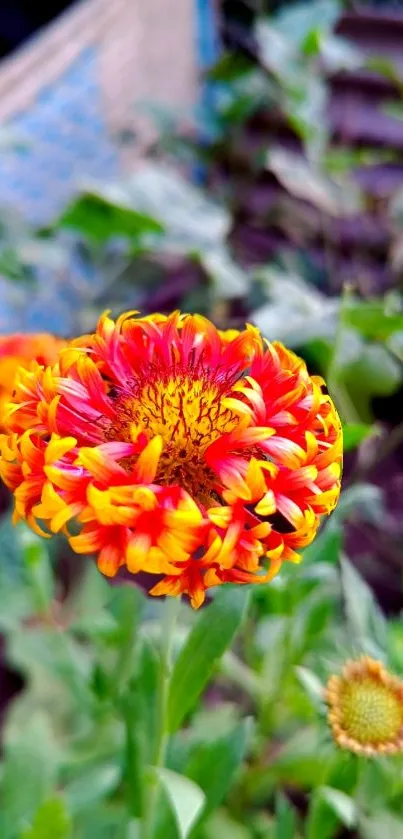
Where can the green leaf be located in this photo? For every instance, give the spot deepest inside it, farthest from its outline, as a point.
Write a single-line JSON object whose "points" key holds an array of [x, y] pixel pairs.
{"points": [[38, 565], [139, 707], [342, 805], [213, 766], [212, 723], [311, 45], [106, 820], [211, 635], [385, 67], [366, 621], [29, 772], [15, 596], [384, 824], [296, 313], [90, 788], [222, 826], [12, 267], [100, 218], [395, 635], [374, 373], [192, 221], [229, 67], [327, 545], [273, 633], [304, 759], [312, 619], [339, 54], [51, 822], [11, 563], [354, 434], [185, 798], [286, 820], [295, 20], [312, 685], [322, 822], [87, 603], [372, 319], [363, 500], [229, 279], [304, 181], [54, 662]]}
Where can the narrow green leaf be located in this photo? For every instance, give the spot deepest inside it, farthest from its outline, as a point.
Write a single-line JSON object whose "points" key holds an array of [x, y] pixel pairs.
{"points": [[385, 67], [303, 759], [108, 819], [90, 788], [229, 68], [367, 624], [354, 434], [214, 765], [221, 826], [39, 568], [29, 772], [87, 603], [322, 822], [372, 319], [139, 709], [185, 798], [327, 545], [100, 217], [366, 500], [304, 181], [11, 563], [15, 594], [51, 822], [312, 43], [342, 805], [47, 655], [384, 824], [286, 820], [374, 373], [211, 635], [312, 685]]}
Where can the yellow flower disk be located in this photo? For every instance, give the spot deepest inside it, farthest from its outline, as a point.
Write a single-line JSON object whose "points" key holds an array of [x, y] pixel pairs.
{"points": [[366, 708]]}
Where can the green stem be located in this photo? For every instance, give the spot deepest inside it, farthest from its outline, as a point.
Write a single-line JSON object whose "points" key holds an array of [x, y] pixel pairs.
{"points": [[172, 605]]}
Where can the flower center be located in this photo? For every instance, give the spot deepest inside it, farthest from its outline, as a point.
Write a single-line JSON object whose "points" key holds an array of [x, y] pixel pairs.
{"points": [[371, 712], [189, 414]]}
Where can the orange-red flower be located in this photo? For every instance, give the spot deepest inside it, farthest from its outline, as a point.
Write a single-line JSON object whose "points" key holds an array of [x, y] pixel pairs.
{"points": [[20, 350], [198, 456]]}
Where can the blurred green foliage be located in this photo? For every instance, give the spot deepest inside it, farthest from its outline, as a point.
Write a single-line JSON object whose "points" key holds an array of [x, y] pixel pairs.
{"points": [[78, 741]]}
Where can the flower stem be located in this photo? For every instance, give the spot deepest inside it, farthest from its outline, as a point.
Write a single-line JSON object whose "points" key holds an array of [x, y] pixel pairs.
{"points": [[172, 605]]}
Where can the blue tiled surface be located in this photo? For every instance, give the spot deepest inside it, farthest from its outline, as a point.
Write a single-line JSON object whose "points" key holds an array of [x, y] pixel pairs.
{"points": [[66, 139]]}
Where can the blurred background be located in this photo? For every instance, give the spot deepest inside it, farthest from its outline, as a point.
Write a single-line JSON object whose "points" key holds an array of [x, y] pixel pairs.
{"points": [[241, 158]]}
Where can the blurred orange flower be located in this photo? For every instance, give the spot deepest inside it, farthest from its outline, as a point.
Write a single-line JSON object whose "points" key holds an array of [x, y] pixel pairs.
{"points": [[366, 708], [20, 350], [198, 456]]}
